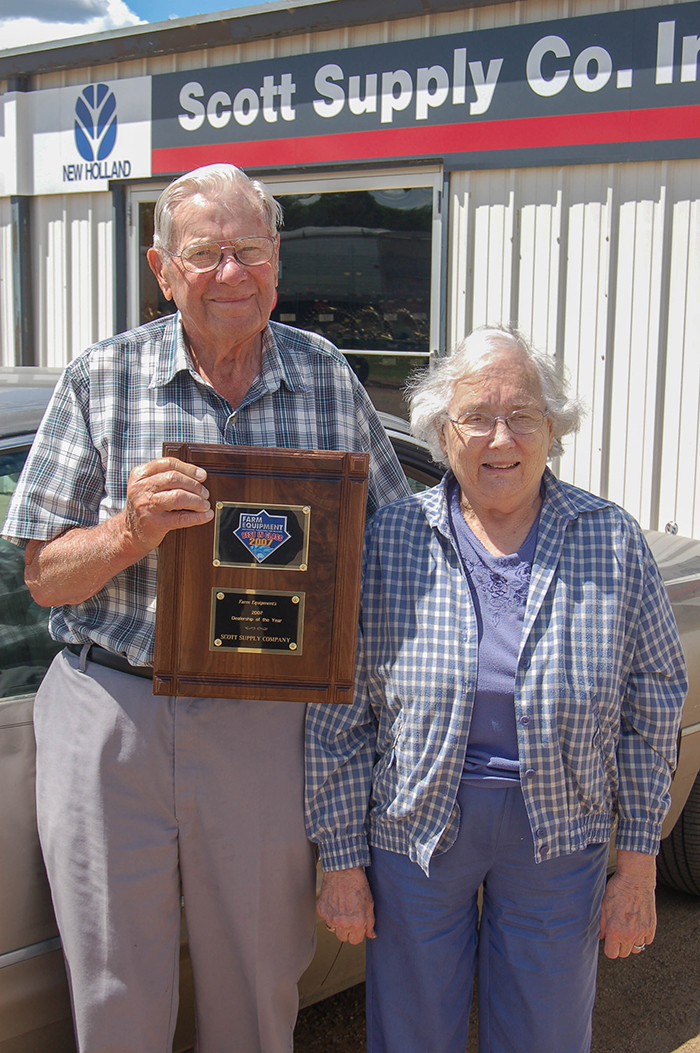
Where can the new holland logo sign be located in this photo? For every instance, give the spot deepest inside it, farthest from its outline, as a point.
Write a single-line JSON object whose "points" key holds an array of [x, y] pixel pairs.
{"points": [[96, 122], [87, 135], [95, 136], [261, 533]]}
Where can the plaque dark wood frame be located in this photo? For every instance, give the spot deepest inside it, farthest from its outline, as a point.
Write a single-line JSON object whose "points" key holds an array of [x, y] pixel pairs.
{"points": [[334, 485]]}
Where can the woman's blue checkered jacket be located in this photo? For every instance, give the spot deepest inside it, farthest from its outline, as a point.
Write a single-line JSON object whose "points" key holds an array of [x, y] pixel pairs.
{"points": [[599, 688]]}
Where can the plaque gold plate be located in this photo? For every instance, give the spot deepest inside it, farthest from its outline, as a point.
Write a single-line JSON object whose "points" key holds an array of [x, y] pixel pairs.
{"points": [[257, 622], [262, 602]]}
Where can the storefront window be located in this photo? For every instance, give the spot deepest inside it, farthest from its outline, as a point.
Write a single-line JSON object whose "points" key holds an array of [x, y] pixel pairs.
{"points": [[354, 267], [151, 300]]}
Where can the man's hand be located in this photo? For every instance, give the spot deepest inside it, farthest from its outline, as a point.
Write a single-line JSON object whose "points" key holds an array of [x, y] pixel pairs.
{"points": [[162, 495], [345, 903], [628, 914]]}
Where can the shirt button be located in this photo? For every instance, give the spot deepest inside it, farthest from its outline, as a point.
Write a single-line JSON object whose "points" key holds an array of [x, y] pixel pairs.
{"points": [[525, 664], [544, 849], [530, 773], [540, 833], [524, 721]]}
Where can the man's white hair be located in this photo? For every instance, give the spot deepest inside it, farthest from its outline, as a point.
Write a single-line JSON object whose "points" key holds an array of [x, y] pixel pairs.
{"points": [[217, 182]]}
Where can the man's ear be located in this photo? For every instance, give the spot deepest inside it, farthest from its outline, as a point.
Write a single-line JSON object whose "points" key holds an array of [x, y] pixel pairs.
{"points": [[276, 260], [155, 262]]}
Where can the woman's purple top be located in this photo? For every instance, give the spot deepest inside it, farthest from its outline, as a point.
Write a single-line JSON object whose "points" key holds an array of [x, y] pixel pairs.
{"points": [[499, 587]]}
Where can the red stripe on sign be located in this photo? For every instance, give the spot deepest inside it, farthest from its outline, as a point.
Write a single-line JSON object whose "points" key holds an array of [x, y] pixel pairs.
{"points": [[620, 126]]}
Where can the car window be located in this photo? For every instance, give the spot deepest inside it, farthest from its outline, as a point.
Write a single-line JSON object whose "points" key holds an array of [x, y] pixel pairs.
{"points": [[418, 484], [11, 464], [26, 648], [421, 471]]}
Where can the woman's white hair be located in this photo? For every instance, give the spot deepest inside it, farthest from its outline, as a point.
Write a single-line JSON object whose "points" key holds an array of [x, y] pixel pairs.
{"points": [[215, 182], [430, 391]]}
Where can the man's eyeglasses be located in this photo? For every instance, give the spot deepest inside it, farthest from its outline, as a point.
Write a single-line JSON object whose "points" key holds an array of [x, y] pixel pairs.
{"points": [[520, 422], [204, 256]]}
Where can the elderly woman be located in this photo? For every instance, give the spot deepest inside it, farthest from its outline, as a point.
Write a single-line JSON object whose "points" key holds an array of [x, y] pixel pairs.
{"points": [[520, 685]]}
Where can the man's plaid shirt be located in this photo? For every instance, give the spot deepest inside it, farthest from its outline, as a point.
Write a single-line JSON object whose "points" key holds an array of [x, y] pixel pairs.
{"points": [[599, 689], [121, 399]]}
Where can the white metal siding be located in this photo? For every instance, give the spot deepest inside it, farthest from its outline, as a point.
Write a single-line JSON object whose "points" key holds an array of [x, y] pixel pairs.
{"points": [[599, 265], [73, 274], [7, 334]]}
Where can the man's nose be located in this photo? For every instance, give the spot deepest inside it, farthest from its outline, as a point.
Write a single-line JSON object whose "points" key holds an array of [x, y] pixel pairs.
{"points": [[229, 265]]}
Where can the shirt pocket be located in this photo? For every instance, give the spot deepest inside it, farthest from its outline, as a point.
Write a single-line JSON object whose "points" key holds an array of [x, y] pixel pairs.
{"points": [[387, 745], [588, 755]]}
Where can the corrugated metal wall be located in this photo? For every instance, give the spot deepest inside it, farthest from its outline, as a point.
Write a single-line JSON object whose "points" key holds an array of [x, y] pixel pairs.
{"points": [[73, 276], [7, 334], [600, 265], [73, 270], [469, 19]]}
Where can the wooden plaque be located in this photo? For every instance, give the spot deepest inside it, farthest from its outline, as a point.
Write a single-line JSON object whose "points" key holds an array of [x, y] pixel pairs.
{"points": [[262, 602]]}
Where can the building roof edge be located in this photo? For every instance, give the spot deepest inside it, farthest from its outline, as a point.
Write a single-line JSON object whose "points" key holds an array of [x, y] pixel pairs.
{"points": [[277, 18]]}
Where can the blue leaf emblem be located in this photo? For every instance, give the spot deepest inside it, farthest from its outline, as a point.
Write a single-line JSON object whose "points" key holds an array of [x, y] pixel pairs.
{"points": [[96, 122]]}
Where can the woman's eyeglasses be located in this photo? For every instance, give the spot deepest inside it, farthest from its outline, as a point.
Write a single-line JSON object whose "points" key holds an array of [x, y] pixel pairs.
{"points": [[520, 422]]}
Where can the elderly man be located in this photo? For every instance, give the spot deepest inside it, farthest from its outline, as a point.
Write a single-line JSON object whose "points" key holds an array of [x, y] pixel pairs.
{"points": [[143, 800]]}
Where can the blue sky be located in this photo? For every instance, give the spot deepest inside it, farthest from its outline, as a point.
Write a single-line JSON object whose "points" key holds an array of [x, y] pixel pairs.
{"points": [[27, 22], [159, 10]]}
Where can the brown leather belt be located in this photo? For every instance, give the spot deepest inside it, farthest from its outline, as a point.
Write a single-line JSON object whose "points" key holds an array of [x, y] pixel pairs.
{"points": [[101, 656]]}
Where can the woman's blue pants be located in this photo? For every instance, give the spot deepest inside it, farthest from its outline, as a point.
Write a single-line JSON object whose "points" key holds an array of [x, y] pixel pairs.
{"points": [[536, 943]]}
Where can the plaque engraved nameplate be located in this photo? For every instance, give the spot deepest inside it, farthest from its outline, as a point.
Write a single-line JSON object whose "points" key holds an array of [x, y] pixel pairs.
{"points": [[253, 621]]}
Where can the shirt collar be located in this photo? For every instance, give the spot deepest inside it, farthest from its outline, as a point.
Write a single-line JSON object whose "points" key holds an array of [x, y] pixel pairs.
{"points": [[435, 505], [276, 369], [172, 356], [561, 502], [567, 502]]}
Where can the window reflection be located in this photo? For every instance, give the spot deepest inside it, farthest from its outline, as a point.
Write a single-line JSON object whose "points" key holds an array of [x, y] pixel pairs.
{"points": [[355, 267], [152, 303]]}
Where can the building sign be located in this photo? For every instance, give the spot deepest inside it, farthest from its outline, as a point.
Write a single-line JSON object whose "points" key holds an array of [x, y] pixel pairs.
{"points": [[618, 86], [84, 136]]}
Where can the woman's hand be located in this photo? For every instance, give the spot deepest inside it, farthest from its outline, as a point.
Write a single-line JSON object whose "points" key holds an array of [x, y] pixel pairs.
{"points": [[628, 914], [345, 903]]}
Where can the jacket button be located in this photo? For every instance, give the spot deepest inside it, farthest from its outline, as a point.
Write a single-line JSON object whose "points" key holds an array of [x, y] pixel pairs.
{"points": [[530, 773], [524, 721]]}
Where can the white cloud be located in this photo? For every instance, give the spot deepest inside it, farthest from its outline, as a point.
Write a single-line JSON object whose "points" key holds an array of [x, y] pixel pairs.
{"points": [[68, 18], [53, 10]]}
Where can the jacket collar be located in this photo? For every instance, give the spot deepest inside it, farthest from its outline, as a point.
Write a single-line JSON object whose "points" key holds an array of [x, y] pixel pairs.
{"points": [[562, 502]]}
